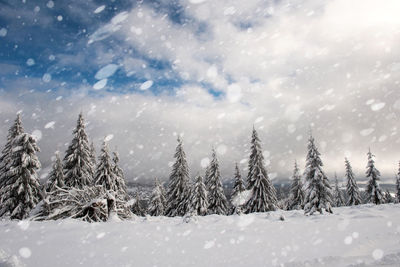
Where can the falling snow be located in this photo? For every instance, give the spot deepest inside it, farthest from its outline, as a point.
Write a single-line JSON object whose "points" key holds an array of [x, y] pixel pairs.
{"points": [[146, 85], [100, 84]]}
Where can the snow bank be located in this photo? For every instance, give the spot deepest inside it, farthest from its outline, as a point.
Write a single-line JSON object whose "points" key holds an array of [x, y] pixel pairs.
{"points": [[364, 235]]}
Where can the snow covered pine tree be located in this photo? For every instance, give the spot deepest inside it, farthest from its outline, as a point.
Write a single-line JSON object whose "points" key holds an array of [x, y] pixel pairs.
{"points": [[296, 197], [217, 202], [137, 207], [113, 185], [78, 168], [104, 175], [56, 176], [5, 158], [199, 203], [237, 198], [157, 201], [337, 194], [318, 196], [120, 178], [263, 194], [20, 192], [178, 192], [374, 191], [352, 190]]}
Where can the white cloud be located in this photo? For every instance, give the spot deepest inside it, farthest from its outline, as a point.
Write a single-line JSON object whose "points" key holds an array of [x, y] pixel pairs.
{"points": [[293, 63]]}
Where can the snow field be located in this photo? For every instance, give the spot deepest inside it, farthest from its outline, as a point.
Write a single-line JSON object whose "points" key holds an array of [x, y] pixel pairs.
{"points": [[365, 235]]}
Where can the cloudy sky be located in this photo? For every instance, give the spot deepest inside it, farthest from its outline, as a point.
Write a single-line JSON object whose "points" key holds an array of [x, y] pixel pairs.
{"points": [[143, 72]]}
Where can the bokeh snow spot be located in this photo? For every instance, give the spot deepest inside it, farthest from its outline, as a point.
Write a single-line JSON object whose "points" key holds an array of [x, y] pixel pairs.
{"points": [[100, 235], [106, 71], [348, 240], [37, 134], [25, 252], [99, 9], [50, 125], [50, 4], [146, 85], [30, 62], [366, 132], [100, 84], [3, 32], [259, 119], [46, 77], [221, 149], [109, 137], [205, 162], [377, 106], [209, 244], [377, 254]]}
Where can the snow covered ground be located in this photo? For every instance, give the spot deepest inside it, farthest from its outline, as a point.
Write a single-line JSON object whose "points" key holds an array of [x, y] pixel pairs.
{"points": [[366, 235]]}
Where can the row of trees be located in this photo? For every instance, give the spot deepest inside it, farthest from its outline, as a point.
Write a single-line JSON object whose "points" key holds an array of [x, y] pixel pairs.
{"points": [[80, 187]]}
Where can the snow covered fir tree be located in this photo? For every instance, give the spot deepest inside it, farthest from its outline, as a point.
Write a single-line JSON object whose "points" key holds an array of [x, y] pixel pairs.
{"points": [[20, 190], [5, 158], [338, 199], [262, 192], [296, 196], [373, 189], [157, 200], [75, 188], [353, 193], [178, 192], [78, 159], [56, 176], [318, 196], [237, 197], [199, 202], [217, 202]]}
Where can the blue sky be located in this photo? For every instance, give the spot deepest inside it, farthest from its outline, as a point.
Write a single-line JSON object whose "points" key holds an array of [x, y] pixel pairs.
{"points": [[143, 72]]}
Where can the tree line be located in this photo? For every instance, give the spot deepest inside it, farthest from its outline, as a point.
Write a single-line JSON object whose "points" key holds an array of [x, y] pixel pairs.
{"points": [[84, 187]]}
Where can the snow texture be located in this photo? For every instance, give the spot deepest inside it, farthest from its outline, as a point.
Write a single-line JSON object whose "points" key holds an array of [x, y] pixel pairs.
{"points": [[258, 239]]}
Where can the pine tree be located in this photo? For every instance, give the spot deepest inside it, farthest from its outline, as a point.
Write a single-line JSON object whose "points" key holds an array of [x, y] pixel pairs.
{"points": [[296, 197], [56, 177], [137, 207], [255, 149], [15, 130], [199, 201], [93, 155], [374, 191], [21, 190], [104, 175], [217, 203], [318, 196], [120, 177], [263, 194], [353, 193], [237, 198], [337, 194], [78, 168], [178, 187], [388, 197], [398, 186], [157, 201]]}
